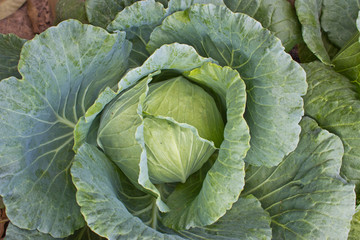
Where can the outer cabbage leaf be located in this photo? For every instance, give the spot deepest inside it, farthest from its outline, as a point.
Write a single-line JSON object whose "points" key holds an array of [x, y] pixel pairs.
{"points": [[274, 88], [181, 5], [355, 226], [338, 19], [280, 18], [102, 12], [347, 61], [75, 9], [309, 12], [333, 101], [249, 7], [62, 76], [10, 48], [306, 55], [224, 181], [305, 196], [138, 21], [15, 233], [245, 220], [111, 205]]}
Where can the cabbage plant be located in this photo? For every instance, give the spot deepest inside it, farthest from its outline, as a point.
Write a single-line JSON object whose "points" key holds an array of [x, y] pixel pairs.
{"points": [[183, 122]]}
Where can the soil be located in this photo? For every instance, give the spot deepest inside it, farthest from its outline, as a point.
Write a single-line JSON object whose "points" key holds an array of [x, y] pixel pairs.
{"points": [[32, 18], [4, 221]]}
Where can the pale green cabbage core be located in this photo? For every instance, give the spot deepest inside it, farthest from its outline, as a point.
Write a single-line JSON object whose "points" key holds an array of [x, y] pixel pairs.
{"points": [[186, 102], [178, 147]]}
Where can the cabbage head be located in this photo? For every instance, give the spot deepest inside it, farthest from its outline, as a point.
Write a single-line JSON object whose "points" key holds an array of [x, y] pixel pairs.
{"points": [[183, 122]]}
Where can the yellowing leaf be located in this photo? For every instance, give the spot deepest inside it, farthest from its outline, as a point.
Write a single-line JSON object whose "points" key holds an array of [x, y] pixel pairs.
{"points": [[8, 7]]}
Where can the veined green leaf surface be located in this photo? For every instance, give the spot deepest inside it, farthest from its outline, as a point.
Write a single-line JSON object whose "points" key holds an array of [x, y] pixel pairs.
{"points": [[176, 57], [355, 226], [309, 12], [249, 7], [333, 101], [138, 21], [245, 220], [280, 18], [111, 205], [181, 5], [347, 61], [274, 88], [15, 233], [10, 48], [74, 9], [338, 19], [102, 12], [305, 195], [62, 76]]}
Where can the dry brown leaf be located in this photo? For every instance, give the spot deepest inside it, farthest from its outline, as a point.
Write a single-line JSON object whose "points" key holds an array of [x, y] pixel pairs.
{"points": [[8, 7]]}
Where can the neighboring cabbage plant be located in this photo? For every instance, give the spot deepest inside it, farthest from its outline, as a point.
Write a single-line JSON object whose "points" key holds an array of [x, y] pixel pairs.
{"points": [[183, 122], [331, 32]]}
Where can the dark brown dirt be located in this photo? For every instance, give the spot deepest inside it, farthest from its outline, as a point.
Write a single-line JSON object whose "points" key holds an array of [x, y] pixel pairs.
{"points": [[4, 221]]}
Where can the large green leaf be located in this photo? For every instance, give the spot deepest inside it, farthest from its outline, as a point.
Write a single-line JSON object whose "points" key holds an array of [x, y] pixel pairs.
{"points": [[338, 19], [224, 181], [63, 70], [280, 18], [245, 220], [111, 205], [276, 15], [181, 5], [10, 48], [347, 61], [309, 12], [102, 12], [355, 226], [75, 9], [175, 57], [274, 82], [15, 233], [249, 7], [305, 196], [333, 101], [138, 21]]}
